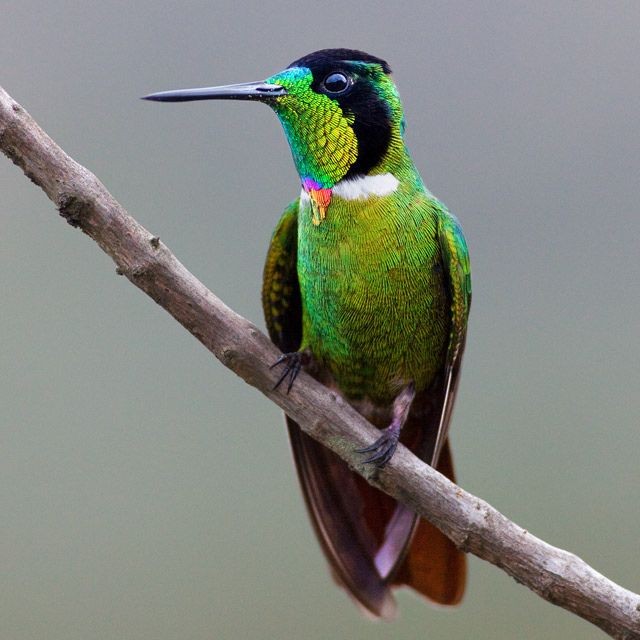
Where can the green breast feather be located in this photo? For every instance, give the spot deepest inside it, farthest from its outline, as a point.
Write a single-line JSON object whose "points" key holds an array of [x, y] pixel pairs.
{"points": [[374, 299], [379, 307]]}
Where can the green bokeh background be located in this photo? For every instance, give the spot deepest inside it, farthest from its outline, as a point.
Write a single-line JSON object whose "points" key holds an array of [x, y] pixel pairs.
{"points": [[146, 492]]}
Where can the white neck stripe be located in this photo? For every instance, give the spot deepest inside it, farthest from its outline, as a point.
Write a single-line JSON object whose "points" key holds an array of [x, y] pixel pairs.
{"points": [[362, 187]]}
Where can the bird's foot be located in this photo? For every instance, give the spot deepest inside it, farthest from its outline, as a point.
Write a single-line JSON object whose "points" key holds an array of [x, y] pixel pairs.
{"points": [[293, 362], [384, 447]]}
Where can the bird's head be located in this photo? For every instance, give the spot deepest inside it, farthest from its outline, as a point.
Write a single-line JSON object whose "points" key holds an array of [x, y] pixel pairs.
{"points": [[339, 108]]}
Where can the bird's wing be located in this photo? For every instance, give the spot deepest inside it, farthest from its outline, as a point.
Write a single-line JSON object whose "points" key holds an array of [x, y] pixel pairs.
{"points": [[455, 257], [280, 288], [348, 515]]}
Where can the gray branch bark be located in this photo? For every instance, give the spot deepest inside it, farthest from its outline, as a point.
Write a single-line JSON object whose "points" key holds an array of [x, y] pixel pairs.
{"points": [[474, 526]]}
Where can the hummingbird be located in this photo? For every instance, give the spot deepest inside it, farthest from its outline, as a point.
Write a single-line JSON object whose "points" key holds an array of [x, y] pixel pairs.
{"points": [[367, 287]]}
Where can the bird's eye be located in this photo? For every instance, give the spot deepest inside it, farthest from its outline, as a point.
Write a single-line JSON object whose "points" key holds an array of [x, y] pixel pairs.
{"points": [[336, 83]]}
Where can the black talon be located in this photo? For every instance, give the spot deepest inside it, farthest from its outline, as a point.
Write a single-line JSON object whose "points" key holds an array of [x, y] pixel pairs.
{"points": [[384, 447], [294, 362]]}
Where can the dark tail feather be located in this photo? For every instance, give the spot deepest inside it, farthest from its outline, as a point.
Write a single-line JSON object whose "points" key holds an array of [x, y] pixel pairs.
{"points": [[371, 542], [334, 499]]}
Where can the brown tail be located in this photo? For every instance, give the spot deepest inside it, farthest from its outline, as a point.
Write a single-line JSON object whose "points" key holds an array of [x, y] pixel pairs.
{"points": [[371, 542]]}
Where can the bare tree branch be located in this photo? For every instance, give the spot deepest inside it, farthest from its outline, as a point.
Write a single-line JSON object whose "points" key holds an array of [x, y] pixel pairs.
{"points": [[556, 575]]}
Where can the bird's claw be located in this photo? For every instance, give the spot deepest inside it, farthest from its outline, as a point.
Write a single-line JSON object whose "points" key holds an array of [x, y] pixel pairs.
{"points": [[293, 364], [383, 448]]}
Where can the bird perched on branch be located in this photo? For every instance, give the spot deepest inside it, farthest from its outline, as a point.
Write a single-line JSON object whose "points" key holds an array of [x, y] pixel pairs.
{"points": [[367, 286]]}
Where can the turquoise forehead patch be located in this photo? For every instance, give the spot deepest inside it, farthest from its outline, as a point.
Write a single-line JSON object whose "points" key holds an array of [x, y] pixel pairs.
{"points": [[293, 76]]}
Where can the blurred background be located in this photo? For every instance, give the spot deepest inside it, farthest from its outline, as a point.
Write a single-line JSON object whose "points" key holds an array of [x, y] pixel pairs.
{"points": [[145, 491]]}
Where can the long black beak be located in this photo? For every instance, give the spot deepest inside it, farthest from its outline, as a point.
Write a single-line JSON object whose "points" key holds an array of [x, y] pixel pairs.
{"points": [[244, 91]]}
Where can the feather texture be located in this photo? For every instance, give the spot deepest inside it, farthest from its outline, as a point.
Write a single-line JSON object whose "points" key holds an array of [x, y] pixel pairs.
{"points": [[372, 299]]}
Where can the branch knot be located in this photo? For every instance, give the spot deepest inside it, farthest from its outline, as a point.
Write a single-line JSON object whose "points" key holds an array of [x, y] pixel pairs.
{"points": [[71, 208]]}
